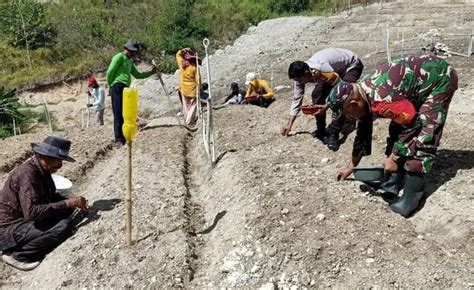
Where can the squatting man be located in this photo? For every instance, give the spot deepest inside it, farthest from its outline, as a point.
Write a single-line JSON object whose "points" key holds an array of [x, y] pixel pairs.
{"points": [[34, 219]]}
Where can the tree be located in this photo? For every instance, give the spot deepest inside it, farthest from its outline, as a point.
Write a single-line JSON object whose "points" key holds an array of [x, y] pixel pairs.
{"points": [[24, 22], [179, 27]]}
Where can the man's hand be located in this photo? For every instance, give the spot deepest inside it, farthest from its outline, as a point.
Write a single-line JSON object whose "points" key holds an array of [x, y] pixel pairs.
{"points": [[343, 173], [76, 202], [285, 130], [390, 165]]}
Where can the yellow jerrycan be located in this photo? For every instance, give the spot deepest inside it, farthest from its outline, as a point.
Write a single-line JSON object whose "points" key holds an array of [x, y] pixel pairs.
{"points": [[130, 113]]}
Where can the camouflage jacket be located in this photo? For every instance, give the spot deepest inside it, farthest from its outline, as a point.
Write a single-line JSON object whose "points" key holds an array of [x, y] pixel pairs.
{"points": [[420, 80]]}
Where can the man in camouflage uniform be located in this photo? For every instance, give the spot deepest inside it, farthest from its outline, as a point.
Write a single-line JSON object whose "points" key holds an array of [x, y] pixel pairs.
{"points": [[429, 83]]}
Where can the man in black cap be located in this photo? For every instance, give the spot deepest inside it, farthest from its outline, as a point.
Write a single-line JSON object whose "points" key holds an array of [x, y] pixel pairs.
{"points": [[119, 76], [325, 68], [34, 219]]}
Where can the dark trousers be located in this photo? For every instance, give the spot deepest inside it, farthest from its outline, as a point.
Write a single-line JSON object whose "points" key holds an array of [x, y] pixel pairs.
{"points": [[319, 95], [262, 102], [35, 239], [116, 91]]}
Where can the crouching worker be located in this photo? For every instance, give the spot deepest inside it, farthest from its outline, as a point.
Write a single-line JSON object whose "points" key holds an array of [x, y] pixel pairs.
{"points": [[259, 92], [325, 68], [236, 95], [429, 83], [34, 219]]}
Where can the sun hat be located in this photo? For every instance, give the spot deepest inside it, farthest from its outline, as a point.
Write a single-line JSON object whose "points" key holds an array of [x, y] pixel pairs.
{"points": [[54, 146]]}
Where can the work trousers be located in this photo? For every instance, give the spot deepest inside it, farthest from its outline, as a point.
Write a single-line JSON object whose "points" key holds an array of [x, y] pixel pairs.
{"points": [[319, 95], [35, 239], [99, 118], [117, 107]]}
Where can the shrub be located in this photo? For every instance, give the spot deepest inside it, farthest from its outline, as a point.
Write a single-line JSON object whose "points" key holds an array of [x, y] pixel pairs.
{"points": [[9, 110], [289, 6]]}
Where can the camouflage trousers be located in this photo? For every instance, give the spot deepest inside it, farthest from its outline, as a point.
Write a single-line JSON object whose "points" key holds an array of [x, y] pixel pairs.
{"points": [[418, 141]]}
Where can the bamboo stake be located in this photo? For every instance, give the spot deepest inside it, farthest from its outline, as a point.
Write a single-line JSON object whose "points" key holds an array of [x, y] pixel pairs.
{"points": [[387, 44], [271, 79], [197, 79], [469, 50], [88, 113], [128, 197], [48, 117], [14, 127]]}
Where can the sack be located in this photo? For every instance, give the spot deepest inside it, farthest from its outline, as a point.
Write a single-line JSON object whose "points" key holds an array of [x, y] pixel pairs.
{"points": [[401, 112]]}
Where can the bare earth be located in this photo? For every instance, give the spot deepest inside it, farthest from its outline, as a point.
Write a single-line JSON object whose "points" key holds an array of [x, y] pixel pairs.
{"points": [[270, 213]]}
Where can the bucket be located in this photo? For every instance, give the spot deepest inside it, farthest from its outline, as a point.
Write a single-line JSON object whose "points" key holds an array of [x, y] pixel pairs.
{"points": [[309, 109], [369, 173], [63, 185]]}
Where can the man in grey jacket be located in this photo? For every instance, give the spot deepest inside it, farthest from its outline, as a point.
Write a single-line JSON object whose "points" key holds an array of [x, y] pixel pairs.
{"points": [[325, 68]]}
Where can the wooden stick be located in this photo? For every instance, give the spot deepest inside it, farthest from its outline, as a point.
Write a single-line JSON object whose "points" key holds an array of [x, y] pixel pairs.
{"points": [[469, 49], [387, 45], [68, 85], [14, 127], [128, 197], [48, 117]]}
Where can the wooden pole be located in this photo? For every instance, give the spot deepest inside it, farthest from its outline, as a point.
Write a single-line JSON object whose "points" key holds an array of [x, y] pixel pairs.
{"points": [[128, 197], [387, 44], [14, 127], [469, 49], [48, 117]]}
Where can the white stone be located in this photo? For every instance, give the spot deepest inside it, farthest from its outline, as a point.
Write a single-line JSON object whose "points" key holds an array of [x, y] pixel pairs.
{"points": [[254, 269], [268, 286]]}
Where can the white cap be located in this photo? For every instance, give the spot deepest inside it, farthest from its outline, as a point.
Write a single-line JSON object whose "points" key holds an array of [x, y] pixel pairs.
{"points": [[250, 77]]}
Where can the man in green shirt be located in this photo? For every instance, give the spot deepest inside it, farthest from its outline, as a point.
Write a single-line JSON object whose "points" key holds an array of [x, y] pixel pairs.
{"points": [[119, 76]]}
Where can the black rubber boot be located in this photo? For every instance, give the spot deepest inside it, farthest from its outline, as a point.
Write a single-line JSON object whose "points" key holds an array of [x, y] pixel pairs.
{"points": [[320, 134], [390, 187], [413, 191], [332, 142]]}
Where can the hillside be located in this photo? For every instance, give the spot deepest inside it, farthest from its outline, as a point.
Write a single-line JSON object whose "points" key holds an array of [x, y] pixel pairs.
{"points": [[270, 213]]}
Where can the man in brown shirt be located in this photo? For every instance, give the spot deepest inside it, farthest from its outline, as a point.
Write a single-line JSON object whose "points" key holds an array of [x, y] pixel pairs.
{"points": [[34, 219]]}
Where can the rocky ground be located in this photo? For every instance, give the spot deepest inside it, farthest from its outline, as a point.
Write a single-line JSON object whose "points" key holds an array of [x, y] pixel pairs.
{"points": [[270, 213]]}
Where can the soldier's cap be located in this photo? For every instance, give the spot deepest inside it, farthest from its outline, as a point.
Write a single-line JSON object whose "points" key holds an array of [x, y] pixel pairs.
{"points": [[338, 95]]}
